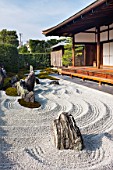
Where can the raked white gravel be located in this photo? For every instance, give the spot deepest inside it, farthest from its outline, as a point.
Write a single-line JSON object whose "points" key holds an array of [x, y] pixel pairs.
{"points": [[25, 134]]}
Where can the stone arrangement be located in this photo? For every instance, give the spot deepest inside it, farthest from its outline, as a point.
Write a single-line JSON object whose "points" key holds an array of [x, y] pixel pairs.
{"points": [[25, 88], [65, 133], [30, 81]]}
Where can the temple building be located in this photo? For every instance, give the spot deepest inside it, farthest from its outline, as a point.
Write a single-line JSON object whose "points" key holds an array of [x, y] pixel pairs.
{"points": [[93, 27]]}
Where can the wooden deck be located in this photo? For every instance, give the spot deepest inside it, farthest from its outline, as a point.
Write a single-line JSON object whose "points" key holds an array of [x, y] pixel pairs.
{"points": [[103, 75]]}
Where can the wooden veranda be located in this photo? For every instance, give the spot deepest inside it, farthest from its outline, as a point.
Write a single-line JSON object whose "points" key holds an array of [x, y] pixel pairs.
{"points": [[102, 75]]}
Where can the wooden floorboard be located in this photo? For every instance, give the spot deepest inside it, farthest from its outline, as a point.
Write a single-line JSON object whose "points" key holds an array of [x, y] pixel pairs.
{"points": [[99, 75]]}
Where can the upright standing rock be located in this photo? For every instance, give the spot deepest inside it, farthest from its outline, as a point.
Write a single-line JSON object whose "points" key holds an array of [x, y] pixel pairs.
{"points": [[30, 80], [66, 135], [2, 76]]}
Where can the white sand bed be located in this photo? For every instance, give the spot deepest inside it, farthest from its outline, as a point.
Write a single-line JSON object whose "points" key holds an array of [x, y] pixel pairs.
{"points": [[25, 134]]}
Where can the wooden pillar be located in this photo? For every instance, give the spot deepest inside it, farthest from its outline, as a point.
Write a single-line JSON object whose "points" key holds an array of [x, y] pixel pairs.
{"points": [[98, 47], [73, 51]]}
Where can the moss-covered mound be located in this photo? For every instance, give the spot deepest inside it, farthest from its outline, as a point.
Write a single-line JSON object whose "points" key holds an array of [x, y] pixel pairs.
{"points": [[11, 91], [45, 75], [29, 104]]}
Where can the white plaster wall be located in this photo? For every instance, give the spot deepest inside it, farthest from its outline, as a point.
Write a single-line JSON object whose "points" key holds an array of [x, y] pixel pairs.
{"points": [[106, 54], [85, 37], [92, 29], [111, 54], [104, 36], [111, 34], [103, 28], [111, 26]]}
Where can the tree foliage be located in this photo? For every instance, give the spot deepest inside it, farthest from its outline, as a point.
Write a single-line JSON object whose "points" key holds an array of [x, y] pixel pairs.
{"points": [[9, 57], [42, 46], [36, 60], [23, 49], [9, 37], [67, 57]]}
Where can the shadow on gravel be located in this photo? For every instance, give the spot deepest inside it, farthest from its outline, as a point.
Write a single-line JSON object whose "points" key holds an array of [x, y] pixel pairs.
{"points": [[92, 142]]}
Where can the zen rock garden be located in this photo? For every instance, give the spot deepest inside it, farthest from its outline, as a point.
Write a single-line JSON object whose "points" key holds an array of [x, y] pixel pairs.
{"points": [[66, 134]]}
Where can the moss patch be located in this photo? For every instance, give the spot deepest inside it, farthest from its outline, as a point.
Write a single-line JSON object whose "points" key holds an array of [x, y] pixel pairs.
{"points": [[6, 83], [29, 104], [45, 75], [11, 91]]}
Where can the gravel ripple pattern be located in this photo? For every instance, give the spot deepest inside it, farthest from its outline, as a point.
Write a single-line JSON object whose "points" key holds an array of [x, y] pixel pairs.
{"points": [[25, 134]]}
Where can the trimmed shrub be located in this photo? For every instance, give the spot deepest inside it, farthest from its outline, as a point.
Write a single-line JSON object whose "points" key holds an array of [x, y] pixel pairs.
{"points": [[11, 91], [9, 57], [37, 60]]}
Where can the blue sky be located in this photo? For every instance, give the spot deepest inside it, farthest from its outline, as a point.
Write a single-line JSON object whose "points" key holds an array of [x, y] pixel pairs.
{"points": [[30, 17]]}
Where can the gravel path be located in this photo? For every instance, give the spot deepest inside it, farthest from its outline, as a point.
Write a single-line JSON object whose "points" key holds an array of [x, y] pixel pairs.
{"points": [[25, 134]]}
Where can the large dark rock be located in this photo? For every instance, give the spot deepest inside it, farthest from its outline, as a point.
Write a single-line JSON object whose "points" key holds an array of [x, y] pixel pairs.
{"points": [[65, 133], [30, 81], [14, 80], [2, 76], [37, 80]]}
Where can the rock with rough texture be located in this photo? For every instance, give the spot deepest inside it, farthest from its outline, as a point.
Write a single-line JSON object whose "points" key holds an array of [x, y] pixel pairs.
{"points": [[65, 133], [1, 79], [14, 80], [29, 97], [2, 76], [54, 82], [21, 90], [30, 81], [37, 81]]}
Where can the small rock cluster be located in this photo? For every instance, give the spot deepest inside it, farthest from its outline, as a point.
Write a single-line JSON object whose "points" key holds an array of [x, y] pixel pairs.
{"points": [[25, 88]]}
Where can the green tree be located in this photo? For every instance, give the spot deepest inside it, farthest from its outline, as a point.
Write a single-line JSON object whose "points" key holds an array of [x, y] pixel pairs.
{"points": [[23, 49], [67, 57], [9, 57], [42, 46], [9, 37]]}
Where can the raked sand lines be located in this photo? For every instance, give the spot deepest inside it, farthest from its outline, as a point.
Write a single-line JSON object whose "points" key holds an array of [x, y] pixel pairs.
{"points": [[25, 134]]}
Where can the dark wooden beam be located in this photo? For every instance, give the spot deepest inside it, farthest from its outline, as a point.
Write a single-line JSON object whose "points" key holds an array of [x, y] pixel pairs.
{"points": [[98, 47], [73, 50]]}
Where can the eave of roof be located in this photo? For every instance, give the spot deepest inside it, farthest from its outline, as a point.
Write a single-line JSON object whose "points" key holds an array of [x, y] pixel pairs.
{"points": [[59, 44], [51, 31]]}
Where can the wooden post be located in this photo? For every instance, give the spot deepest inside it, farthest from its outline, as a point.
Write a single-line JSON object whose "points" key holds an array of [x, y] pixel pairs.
{"points": [[73, 51], [98, 47]]}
